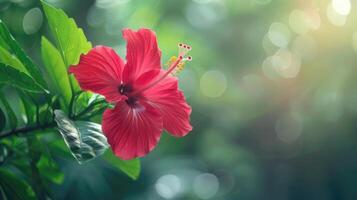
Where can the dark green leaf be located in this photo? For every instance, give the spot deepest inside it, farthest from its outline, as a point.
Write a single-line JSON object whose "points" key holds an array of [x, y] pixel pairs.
{"points": [[44, 162], [85, 139], [56, 69], [29, 106], [16, 78], [21, 55], [129, 167], [50, 170], [13, 187], [2, 120], [35, 151], [11, 117]]}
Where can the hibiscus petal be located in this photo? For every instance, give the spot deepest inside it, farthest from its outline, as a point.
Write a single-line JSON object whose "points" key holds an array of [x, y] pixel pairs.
{"points": [[132, 131], [100, 71], [143, 53], [166, 97], [145, 79]]}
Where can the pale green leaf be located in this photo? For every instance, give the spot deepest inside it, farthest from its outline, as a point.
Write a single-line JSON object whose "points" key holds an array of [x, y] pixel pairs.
{"points": [[85, 139]]}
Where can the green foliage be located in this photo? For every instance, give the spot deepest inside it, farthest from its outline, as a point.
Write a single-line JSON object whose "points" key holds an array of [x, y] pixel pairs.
{"points": [[15, 48], [49, 169], [11, 76], [129, 167], [7, 58], [70, 40], [85, 139], [11, 117], [2, 120], [12, 187], [29, 107], [56, 70], [28, 163]]}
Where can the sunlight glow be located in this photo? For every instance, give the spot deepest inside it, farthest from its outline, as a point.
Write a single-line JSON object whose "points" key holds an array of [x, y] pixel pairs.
{"points": [[342, 7], [334, 17]]}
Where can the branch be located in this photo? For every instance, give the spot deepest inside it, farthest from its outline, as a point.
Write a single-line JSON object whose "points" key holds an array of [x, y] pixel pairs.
{"points": [[26, 129]]}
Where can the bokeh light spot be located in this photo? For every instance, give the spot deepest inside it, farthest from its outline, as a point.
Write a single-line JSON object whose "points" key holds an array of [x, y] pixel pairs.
{"points": [[205, 185], [268, 69], [262, 2], [342, 7], [168, 186], [289, 127], [279, 34], [32, 21], [207, 14], [213, 83], [286, 64], [299, 22], [268, 46], [334, 17], [305, 47]]}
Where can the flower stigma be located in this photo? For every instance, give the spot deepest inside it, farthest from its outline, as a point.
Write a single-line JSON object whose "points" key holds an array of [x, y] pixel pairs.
{"points": [[175, 65]]}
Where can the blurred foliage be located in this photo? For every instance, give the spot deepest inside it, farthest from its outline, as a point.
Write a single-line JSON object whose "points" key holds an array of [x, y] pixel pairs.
{"points": [[32, 105], [271, 84]]}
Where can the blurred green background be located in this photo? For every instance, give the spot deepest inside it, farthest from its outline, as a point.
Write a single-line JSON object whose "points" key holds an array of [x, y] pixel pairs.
{"points": [[272, 85]]}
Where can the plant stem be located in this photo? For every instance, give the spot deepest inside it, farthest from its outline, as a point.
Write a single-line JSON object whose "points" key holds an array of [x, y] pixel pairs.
{"points": [[26, 129], [52, 124], [88, 108]]}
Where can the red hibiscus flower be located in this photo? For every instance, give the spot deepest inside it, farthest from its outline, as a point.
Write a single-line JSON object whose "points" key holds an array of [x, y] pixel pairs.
{"points": [[146, 97]]}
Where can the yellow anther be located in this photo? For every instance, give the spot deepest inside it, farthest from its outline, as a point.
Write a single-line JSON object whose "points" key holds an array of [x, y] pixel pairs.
{"points": [[180, 66]]}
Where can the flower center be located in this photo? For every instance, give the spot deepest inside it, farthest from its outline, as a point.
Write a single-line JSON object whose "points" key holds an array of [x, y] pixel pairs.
{"points": [[176, 64], [125, 89]]}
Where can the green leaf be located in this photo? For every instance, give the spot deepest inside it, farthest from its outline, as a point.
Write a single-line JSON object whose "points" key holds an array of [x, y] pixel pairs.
{"points": [[56, 69], [11, 117], [12, 44], [43, 160], [129, 167], [29, 106], [13, 187], [70, 39], [9, 59], [50, 170], [85, 139], [16, 78], [2, 120]]}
